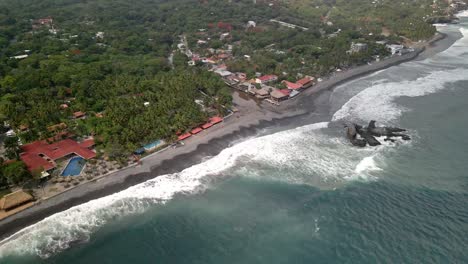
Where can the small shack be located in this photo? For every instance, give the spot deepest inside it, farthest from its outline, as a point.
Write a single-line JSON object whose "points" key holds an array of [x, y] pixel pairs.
{"points": [[15, 199]]}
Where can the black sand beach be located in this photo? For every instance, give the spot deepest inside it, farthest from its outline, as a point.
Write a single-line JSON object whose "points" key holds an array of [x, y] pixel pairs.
{"points": [[249, 121]]}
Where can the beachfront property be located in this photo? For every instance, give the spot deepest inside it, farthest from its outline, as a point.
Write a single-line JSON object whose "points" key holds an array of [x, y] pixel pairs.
{"points": [[15, 202], [266, 79], [41, 156]]}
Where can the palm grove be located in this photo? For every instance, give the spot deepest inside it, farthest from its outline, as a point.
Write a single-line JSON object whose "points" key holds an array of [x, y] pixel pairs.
{"points": [[109, 58]]}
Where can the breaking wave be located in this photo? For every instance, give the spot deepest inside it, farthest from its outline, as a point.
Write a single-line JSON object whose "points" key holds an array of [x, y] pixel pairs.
{"points": [[306, 147], [377, 102]]}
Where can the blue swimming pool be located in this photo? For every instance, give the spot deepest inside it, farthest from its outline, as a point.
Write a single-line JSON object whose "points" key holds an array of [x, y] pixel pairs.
{"points": [[74, 167]]}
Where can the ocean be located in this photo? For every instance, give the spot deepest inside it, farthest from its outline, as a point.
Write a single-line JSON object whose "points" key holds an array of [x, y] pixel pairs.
{"points": [[299, 195]]}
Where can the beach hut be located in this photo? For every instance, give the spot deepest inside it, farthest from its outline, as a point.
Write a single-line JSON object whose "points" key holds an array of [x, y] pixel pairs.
{"points": [[207, 125], [15, 199], [215, 120], [196, 131], [184, 136]]}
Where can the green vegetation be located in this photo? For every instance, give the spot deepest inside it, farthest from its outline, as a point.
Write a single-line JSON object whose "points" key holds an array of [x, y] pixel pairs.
{"points": [[109, 58]]}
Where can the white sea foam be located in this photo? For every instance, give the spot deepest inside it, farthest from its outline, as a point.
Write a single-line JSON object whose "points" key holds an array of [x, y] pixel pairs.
{"points": [[367, 164], [377, 102], [463, 13], [302, 147]]}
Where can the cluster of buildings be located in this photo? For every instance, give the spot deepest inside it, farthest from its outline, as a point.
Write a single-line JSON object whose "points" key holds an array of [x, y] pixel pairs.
{"points": [[268, 88]]}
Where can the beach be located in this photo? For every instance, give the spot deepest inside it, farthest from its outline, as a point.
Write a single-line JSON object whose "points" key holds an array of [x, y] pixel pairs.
{"points": [[250, 119]]}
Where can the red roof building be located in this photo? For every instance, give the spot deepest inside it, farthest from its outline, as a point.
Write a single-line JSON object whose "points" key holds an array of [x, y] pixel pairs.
{"points": [[305, 82], [266, 79], [292, 86], [184, 136], [285, 91], [215, 120], [41, 154], [207, 125], [196, 131]]}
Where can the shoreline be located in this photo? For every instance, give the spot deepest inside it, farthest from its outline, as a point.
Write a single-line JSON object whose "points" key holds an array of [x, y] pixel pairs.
{"points": [[247, 122]]}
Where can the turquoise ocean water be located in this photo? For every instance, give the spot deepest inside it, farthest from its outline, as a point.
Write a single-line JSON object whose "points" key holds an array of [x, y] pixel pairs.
{"points": [[302, 195]]}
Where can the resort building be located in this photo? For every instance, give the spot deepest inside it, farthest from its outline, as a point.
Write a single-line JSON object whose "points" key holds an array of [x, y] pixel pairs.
{"points": [[40, 155]]}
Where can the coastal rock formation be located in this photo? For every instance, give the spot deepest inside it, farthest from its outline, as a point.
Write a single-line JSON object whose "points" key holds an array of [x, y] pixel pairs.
{"points": [[361, 136]]}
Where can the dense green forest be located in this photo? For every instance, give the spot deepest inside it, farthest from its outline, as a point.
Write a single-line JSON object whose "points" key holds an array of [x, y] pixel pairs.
{"points": [[109, 57]]}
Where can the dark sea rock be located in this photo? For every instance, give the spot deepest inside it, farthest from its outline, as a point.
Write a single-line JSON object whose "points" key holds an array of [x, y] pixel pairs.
{"points": [[369, 133]]}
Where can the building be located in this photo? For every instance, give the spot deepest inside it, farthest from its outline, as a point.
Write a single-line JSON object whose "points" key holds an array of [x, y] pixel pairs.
{"points": [[262, 93], [14, 200], [278, 96], [357, 47], [266, 79], [306, 82], [395, 49], [42, 155], [223, 73], [291, 85]]}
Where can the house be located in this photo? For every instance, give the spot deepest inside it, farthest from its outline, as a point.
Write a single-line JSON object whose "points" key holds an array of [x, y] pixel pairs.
{"points": [[278, 96], [266, 79], [262, 93], [306, 82], [14, 200], [42, 155], [291, 85], [63, 106], [395, 49], [79, 115], [223, 73], [215, 120]]}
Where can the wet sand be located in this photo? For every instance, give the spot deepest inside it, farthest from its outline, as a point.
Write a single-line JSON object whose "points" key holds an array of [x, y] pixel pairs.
{"points": [[250, 119]]}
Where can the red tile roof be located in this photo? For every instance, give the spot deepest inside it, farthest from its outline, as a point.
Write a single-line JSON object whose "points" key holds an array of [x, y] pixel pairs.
{"points": [[215, 120], [285, 91], [185, 136], [87, 143], [35, 154], [292, 86], [266, 78], [207, 125], [196, 131], [304, 81]]}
